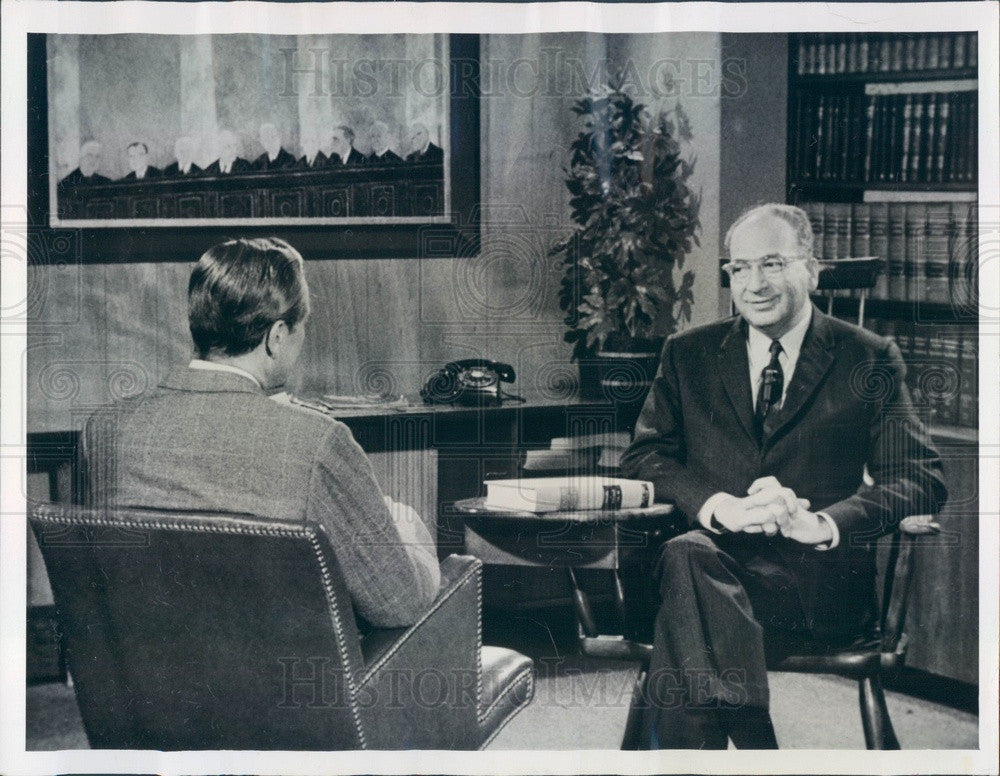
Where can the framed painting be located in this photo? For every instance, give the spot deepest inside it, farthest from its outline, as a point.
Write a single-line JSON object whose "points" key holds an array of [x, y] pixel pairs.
{"points": [[151, 147]]}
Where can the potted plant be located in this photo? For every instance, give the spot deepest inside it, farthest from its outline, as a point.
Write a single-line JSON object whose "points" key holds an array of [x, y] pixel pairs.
{"points": [[636, 219]]}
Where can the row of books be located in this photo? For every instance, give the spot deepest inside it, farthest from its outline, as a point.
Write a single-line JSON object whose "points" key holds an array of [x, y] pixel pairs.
{"points": [[836, 53], [930, 248], [928, 137], [942, 369]]}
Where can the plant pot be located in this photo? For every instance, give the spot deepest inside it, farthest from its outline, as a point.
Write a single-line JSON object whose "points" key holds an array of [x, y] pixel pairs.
{"points": [[619, 375]]}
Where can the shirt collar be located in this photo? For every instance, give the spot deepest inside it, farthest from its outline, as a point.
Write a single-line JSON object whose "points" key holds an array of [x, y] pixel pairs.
{"points": [[198, 363], [791, 340]]}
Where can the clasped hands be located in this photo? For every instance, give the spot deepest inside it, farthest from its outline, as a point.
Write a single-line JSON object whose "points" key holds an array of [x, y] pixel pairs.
{"points": [[770, 508]]}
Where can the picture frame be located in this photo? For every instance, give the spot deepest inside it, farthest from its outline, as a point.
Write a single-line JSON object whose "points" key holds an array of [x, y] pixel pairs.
{"points": [[453, 233]]}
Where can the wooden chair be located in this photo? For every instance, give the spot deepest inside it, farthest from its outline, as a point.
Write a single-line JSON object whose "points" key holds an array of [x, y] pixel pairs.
{"points": [[867, 663], [200, 631]]}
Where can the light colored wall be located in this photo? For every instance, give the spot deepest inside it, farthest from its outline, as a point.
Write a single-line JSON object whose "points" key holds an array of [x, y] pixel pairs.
{"points": [[110, 329]]}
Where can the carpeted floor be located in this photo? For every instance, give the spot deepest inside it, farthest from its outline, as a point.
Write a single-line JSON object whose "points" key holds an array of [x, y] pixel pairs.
{"points": [[581, 703]]}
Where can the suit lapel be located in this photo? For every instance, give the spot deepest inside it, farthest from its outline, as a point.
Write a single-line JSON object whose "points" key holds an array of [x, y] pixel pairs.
{"points": [[734, 371], [815, 359]]}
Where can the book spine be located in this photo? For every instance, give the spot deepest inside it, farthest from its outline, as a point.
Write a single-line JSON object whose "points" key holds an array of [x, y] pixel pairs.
{"points": [[885, 54], [938, 245], [972, 138], [929, 140], [845, 139], [860, 230], [868, 169], [934, 52], [820, 140], [896, 63], [915, 257], [921, 55], [831, 229], [896, 250], [800, 62], [956, 162], [893, 136], [958, 51], [910, 53], [904, 166], [959, 281], [841, 54], [852, 54], [815, 211], [972, 50], [915, 141], [879, 244], [944, 113], [946, 42], [864, 58]]}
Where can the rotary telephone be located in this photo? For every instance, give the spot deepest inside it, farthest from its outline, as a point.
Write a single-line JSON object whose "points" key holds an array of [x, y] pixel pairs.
{"points": [[471, 382]]}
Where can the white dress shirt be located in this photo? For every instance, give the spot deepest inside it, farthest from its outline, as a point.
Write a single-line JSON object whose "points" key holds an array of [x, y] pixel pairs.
{"points": [[759, 356]]}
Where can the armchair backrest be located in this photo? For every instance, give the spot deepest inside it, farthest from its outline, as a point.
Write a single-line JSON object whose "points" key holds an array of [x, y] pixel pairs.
{"points": [[201, 631]]}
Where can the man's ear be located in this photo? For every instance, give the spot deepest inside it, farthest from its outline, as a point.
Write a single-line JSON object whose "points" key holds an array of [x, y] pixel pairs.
{"points": [[812, 264], [274, 337]]}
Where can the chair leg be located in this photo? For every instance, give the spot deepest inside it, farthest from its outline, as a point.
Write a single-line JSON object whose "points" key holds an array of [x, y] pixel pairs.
{"points": [[875, 715], [632, 738]]}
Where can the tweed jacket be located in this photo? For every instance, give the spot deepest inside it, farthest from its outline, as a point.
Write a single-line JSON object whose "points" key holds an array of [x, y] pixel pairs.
{"points": [[846, 407], [213, 441]]}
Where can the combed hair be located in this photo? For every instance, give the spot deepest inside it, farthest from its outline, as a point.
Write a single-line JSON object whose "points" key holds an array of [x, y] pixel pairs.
{"points": [[239, 289], [795, 217]]}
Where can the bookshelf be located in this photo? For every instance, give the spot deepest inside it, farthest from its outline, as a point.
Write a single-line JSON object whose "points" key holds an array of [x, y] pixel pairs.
{"points": [[882, 154]]}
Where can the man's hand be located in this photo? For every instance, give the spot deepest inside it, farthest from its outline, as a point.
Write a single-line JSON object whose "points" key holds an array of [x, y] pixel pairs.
{"points": [[800, 524], [764, 511]]}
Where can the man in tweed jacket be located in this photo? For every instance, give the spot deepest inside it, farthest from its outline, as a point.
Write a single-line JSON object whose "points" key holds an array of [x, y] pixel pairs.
{"points": [[209, 438]]}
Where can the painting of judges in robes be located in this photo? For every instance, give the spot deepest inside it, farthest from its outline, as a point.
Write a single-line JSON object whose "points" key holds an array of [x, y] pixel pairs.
{"points": [[259, 129]]}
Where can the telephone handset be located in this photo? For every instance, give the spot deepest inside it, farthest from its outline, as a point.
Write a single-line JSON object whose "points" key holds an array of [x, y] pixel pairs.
{"points": [[471, 381]]}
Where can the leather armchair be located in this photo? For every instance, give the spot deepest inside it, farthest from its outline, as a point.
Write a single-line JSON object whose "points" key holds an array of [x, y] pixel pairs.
{"points": [[207, 631]]}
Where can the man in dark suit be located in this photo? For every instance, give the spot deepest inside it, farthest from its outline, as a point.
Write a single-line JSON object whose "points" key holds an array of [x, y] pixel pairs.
{"points": [[788, 439], [86, 173], [183, 166], [421, 147], [229, 162], [210, 437], [275, 157], [342, 147], [381, 139], [138, 162]]}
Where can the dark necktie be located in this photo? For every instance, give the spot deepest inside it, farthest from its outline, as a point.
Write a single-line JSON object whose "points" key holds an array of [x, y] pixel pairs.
{"points": [[772, 382]]}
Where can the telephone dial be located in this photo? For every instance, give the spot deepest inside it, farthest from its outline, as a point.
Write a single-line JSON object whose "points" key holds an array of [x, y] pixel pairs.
{"points": [[471, 381]]}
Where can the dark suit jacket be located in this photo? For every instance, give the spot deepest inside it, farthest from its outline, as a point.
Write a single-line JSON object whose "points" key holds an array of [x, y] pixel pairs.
{"points": [[212, 441], [355, 157], [77, 178], [320, 160], [389, 157], [151, 172], [846, 406], [239, 165], [282, 161], [434, 154], [173, 170]]}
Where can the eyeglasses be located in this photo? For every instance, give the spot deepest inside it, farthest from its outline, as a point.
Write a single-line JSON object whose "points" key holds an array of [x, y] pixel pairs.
{"points": [[773, 266]]}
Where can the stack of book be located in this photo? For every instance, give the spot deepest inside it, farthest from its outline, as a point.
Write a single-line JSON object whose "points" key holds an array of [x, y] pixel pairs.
{"points": [[928, 137], [561, 494], [930, 248], [585, 454], [841, 53], [942, 369]]}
